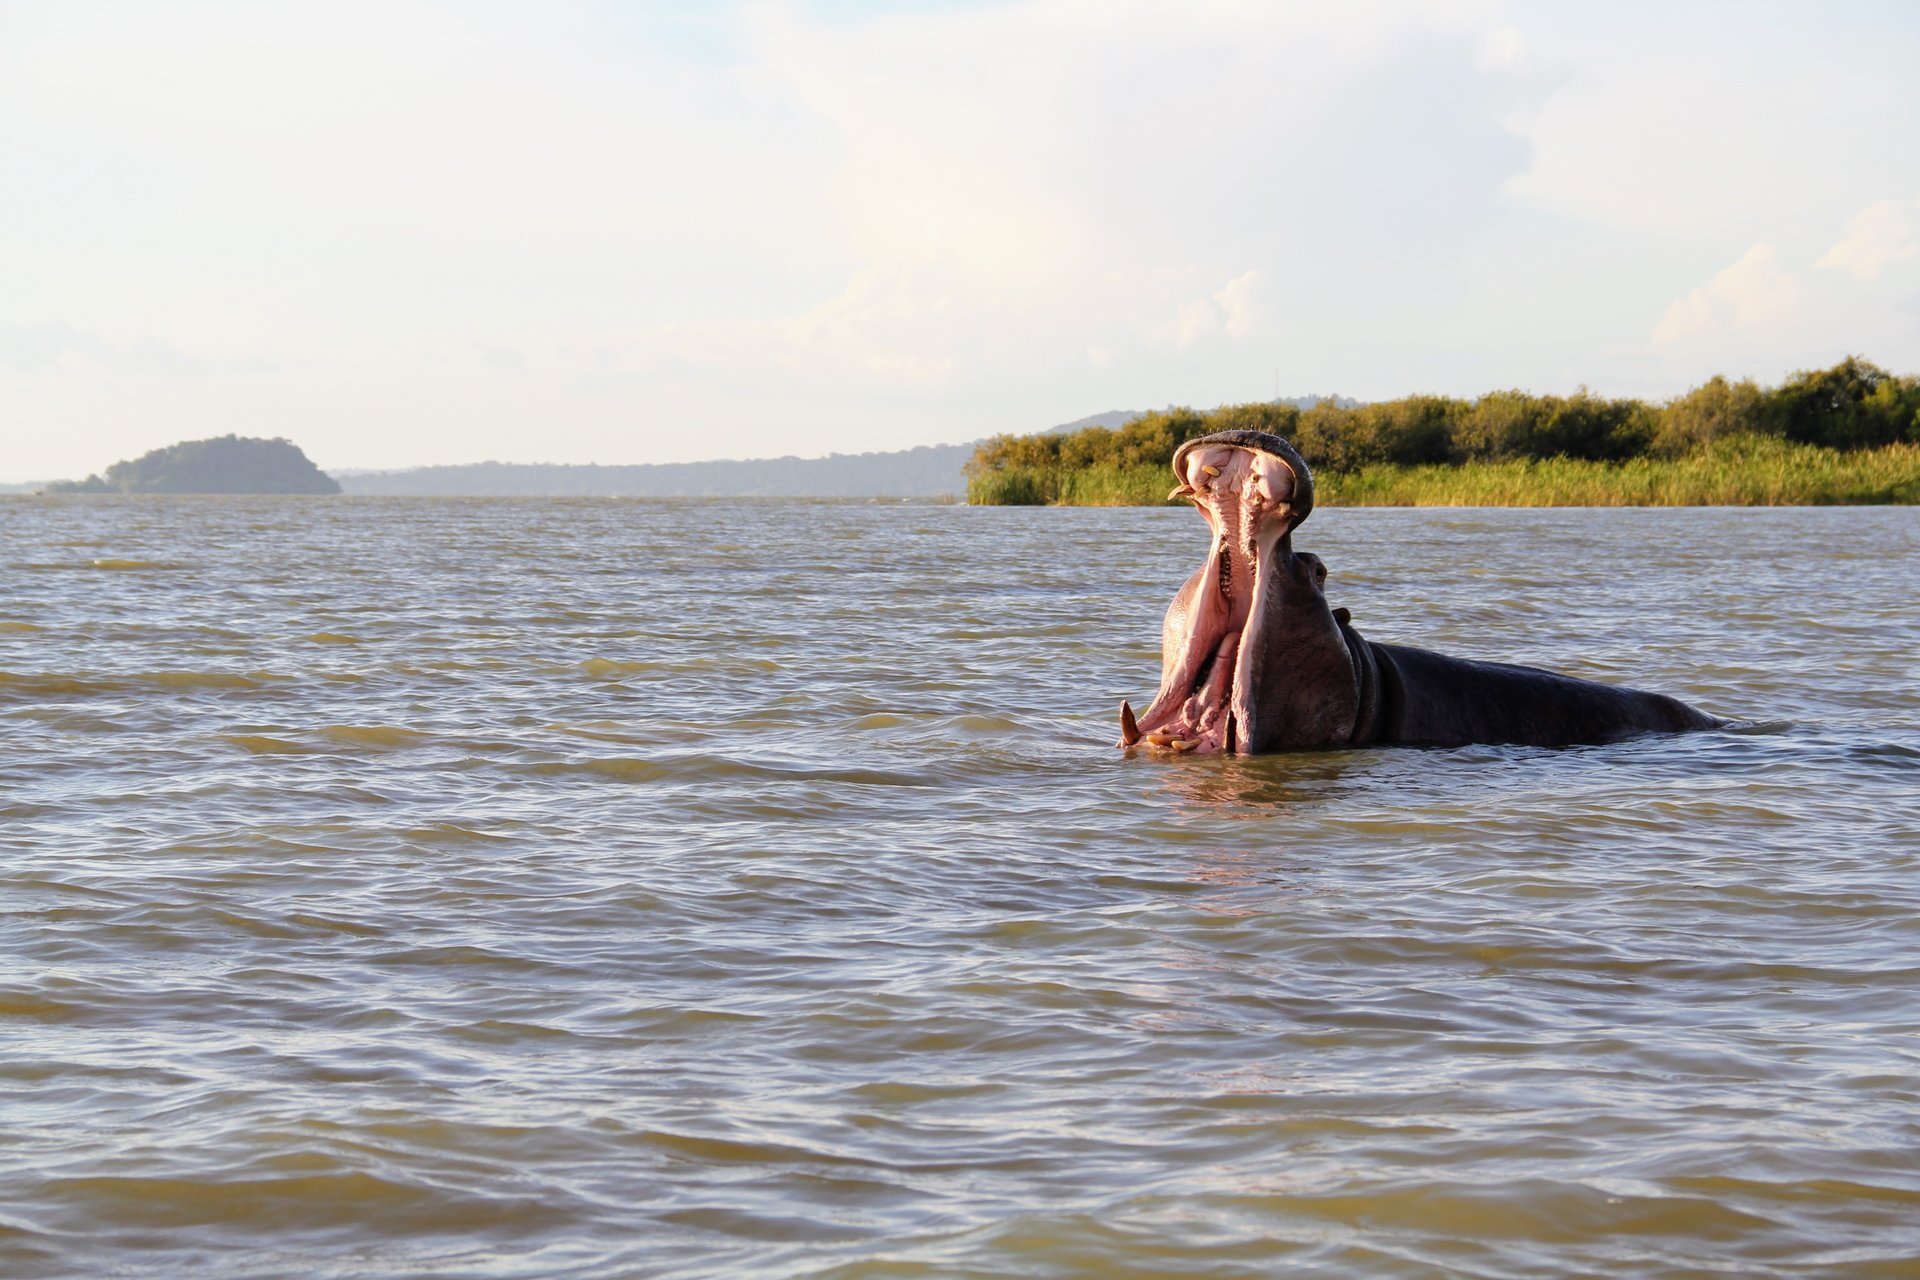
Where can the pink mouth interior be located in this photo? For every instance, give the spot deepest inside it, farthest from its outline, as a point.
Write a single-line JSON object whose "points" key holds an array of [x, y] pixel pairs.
{"points": [[1237, 490]]}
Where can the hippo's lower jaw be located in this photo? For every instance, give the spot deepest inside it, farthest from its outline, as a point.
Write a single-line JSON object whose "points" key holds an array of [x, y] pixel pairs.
{"points": [[1194, 710], [1252, 489]]}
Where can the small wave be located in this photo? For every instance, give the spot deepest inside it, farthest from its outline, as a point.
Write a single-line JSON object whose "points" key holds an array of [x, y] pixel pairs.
{"points": [[880, 720], [507, 1031], [34, 682], [25, 1004], [331, 637], [1886, 752], [604, 731], [787, 1229], [733, 1151], [995, 726], [205, 679], [1538, 1208], [44, 683], [906, 1093], [1839, 1191], [373, 735], [21, 626], [131, 565], [612, 669], [450, 833], [622, 768], [701, 768], [331, 924], [261, 745], [347, 1197], [608, 669]]}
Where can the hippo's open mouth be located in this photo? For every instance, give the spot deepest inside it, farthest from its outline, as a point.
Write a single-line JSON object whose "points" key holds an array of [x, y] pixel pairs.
{"points": [[1253, 489]]}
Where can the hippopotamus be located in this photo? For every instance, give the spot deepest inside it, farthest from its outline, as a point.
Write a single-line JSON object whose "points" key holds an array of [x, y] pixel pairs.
{"points": [[1254, 660]]}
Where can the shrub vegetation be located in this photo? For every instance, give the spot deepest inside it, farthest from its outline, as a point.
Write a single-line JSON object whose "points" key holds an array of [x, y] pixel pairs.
{"points": [[1846, 434]]}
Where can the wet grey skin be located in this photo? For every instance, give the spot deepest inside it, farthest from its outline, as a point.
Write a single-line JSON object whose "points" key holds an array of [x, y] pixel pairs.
{"points": [[1254, 660]]}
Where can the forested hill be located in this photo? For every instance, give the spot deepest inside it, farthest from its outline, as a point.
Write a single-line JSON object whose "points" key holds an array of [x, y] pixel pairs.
{"points": [[1114, 419], [931, 471], [225, 464]]}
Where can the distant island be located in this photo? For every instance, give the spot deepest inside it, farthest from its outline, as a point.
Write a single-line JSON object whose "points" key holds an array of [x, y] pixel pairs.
{"points": [[1848, 434], [226, 464]]}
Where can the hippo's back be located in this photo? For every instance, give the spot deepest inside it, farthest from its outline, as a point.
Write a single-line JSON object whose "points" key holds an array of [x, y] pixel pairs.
{"points": [[1433, 700]]}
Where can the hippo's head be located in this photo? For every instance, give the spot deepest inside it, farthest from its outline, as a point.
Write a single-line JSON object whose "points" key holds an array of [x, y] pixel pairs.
{"points": [[1249, 645]]}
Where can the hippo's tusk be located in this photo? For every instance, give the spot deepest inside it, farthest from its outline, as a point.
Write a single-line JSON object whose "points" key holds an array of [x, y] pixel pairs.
{"points": [[1129, 727], [1180, 491], [1210, 470]]}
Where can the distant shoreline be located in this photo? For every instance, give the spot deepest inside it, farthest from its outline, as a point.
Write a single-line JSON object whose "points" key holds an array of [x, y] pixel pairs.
{"points": [[1742, 472], [1845, 435], [1739, 472]]}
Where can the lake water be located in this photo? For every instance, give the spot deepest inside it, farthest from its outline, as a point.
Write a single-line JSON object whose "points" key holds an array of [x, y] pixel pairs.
{"points": [[616, 888]]}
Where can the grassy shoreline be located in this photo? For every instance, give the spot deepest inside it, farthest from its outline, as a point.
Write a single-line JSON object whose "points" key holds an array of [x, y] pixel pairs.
{"points": [[1738, 471]]}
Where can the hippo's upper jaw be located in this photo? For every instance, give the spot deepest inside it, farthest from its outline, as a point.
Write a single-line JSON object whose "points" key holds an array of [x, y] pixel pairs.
{"points": [[1253, 489]]}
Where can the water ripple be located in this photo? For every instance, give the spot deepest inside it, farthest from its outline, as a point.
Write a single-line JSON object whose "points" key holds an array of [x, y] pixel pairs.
{"points": [[529, 888]]}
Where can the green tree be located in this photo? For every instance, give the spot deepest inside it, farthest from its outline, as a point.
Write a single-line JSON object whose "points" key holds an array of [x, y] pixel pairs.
{"points": [[1713, 411], [1831, 406]]}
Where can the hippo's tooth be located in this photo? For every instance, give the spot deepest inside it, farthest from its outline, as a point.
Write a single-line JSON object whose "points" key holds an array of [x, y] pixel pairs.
{"points": [[1129, 727], [1210, 470], [1180, 491], [1172, 742]]}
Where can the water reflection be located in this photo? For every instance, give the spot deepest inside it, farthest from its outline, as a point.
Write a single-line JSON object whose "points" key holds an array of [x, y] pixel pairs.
{"points": [[1199, 784]]}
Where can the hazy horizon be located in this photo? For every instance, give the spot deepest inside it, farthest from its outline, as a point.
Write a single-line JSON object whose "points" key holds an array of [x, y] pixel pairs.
{"points": [[1107, 418], [418, 234]]}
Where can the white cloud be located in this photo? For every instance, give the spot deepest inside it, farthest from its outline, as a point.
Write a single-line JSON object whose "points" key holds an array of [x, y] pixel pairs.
{"points": [[1758, 291], [1229, 310], [1753, 293], [1238, 310], [1880, 235], [1680, 126], [1685, 317], [1502, 48]]}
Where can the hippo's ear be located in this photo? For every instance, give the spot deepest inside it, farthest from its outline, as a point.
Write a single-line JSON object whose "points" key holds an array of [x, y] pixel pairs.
{"points": [[1343, 615]]}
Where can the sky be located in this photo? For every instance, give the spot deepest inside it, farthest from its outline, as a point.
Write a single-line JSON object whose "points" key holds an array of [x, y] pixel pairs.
{"points": [[404, 233]]}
